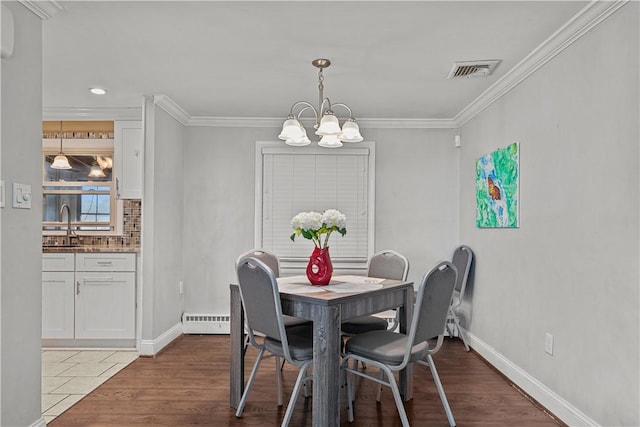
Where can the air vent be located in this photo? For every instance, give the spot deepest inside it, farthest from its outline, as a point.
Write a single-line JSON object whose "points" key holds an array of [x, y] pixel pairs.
{"points": [[473, 69]]}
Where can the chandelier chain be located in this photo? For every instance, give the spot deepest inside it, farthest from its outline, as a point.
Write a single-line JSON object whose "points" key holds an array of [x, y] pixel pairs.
{"points": [[320, 90]]}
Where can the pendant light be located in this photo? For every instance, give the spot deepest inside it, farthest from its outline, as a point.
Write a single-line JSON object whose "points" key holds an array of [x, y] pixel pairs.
{"points": [[60, 161]]}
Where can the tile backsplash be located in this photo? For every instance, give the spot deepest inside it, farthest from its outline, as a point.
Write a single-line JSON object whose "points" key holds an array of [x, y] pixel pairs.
{"points": [[131, 210]]}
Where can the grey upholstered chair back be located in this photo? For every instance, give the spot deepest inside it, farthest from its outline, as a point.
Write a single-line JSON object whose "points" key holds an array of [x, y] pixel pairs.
{"points": [[432, 303], [261, 298], [268, 258], [388, 265], [462, 258]]}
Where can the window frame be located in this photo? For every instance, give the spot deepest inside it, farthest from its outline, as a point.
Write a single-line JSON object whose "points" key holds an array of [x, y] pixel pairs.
{"points": [[297, 266], [86, 147]]}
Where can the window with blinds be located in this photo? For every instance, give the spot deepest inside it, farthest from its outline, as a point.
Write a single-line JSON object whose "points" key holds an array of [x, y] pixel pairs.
{"points": [[296, 179]]}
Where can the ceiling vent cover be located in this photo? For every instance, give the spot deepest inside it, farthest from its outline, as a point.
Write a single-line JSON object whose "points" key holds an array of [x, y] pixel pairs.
{"points": [[473, 69]]}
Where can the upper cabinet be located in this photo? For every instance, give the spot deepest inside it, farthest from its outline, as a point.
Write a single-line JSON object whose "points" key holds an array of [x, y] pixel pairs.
{"points": [[128, 165]]}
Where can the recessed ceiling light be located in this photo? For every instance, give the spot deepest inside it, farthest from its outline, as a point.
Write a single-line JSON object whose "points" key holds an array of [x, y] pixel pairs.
{"points": [[97, 91]]}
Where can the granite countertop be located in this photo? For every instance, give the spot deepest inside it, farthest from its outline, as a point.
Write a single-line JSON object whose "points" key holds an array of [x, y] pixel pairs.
{"points": [[85, 249]]}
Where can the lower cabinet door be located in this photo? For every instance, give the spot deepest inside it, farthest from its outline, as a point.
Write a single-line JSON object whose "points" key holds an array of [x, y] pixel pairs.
{"points": [[105, 305], [57, 304]]}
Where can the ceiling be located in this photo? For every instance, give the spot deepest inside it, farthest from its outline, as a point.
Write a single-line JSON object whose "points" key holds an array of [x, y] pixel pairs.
{"points": [[240, 59]]}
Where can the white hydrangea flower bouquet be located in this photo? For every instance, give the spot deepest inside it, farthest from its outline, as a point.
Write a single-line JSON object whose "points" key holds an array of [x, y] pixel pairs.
{"points": [[318, 227]]}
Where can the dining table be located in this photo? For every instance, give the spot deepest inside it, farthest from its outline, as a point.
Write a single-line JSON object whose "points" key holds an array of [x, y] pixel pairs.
{"points": [[345, 297]]}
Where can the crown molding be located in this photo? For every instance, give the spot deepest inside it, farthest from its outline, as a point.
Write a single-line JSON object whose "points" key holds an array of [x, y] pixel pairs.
{"points": [[407, 123], [44, 9], [581, 23], [173, 109], [125, 113], [363, 123]]}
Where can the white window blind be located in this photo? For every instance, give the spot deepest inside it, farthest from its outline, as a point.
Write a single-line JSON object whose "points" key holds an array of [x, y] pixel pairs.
{"points": [[298, 180]]}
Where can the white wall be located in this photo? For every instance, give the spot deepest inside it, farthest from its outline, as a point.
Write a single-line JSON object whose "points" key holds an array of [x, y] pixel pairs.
{"points": [[20, 250], [162, 223], [571, 269], [416, 203]]}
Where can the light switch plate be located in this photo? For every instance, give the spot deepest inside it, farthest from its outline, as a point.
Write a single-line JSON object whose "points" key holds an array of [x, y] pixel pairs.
{"points": [[21, 196]]}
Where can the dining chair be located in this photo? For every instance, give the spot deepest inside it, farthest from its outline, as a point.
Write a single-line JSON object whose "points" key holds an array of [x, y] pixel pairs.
{"points": [[462, 259], [387, 264], [392, 352], [261, 299], [273, 263]]}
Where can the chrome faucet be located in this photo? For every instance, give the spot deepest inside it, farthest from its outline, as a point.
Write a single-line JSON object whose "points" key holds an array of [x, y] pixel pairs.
{"points": [[70, 233]]}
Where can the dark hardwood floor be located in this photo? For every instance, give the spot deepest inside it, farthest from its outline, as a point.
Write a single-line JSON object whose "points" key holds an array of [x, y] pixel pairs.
{"points": [[188, 385]]}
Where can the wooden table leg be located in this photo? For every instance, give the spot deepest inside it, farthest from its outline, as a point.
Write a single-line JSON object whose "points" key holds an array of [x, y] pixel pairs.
{"points": [[326, 366], [236, 370], [406, 375]]}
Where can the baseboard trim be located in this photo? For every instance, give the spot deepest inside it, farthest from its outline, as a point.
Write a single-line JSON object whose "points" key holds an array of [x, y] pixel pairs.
{"points": [[40, 423], [153, 347], [555, 404]]}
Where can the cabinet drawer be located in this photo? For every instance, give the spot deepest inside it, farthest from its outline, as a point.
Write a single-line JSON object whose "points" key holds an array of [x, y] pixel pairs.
{"points": [[57, 262], [106, 262]]}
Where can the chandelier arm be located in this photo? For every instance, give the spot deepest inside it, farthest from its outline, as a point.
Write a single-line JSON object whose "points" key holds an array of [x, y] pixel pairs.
{"points": [[306, 106], [329, 105], [345, 106]]}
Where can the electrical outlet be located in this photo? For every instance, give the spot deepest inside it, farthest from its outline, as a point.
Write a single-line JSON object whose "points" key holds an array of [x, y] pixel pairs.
{"points": [[180, 287], [548, 344]]}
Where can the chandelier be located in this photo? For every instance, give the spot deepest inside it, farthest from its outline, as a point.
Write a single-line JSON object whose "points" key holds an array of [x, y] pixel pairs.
{"points": [[326, 125]]}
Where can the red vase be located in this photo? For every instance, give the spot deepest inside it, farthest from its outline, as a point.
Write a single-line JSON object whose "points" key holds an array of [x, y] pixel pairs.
{"points": [[319, 269]]}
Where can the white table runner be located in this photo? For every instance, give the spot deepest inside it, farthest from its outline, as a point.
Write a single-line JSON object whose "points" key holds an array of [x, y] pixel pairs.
{"points": [[338, 284]]}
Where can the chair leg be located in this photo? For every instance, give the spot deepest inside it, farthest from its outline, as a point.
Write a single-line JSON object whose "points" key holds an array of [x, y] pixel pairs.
{"points": [[302, 377], [397, 397], [349, 392], [278, 380], [456, 321], [306, 386], [243, 400], [443, 397], [380, 386]]}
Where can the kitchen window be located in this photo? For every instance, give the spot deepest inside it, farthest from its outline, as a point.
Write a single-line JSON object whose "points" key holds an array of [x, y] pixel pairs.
{"points": [[295, 179], [91, 197]]}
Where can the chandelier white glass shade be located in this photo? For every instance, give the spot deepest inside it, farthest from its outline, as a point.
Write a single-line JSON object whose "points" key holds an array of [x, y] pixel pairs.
{"points": [[60, 161], [327, 124]]}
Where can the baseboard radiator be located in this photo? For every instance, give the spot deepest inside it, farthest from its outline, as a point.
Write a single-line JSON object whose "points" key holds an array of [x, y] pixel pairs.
{"points": [[193, 323]]}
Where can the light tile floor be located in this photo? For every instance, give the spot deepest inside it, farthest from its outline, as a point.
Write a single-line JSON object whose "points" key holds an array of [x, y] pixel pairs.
{"points": [[69, 375]]}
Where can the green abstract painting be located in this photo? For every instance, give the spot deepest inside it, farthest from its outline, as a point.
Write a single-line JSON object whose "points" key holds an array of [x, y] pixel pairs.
{"points": [[497, 182]]}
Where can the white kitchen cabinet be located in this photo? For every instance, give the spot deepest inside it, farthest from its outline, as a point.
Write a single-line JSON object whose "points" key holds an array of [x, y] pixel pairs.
{"points": [[94, 300], [105, 305], [57, 304], [128, 164], [58, 295]]}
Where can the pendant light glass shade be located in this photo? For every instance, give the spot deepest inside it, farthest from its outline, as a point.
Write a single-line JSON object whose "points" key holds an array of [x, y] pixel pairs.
{"points": [[329, 125], [350, 132], [60, 162], [96, 171], [291, 130], [330, 141]]}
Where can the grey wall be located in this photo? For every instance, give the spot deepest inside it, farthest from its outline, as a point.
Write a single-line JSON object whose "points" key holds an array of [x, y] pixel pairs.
{"points": [[571, 269], [162, 218], [20, 250], [416, 203]]}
